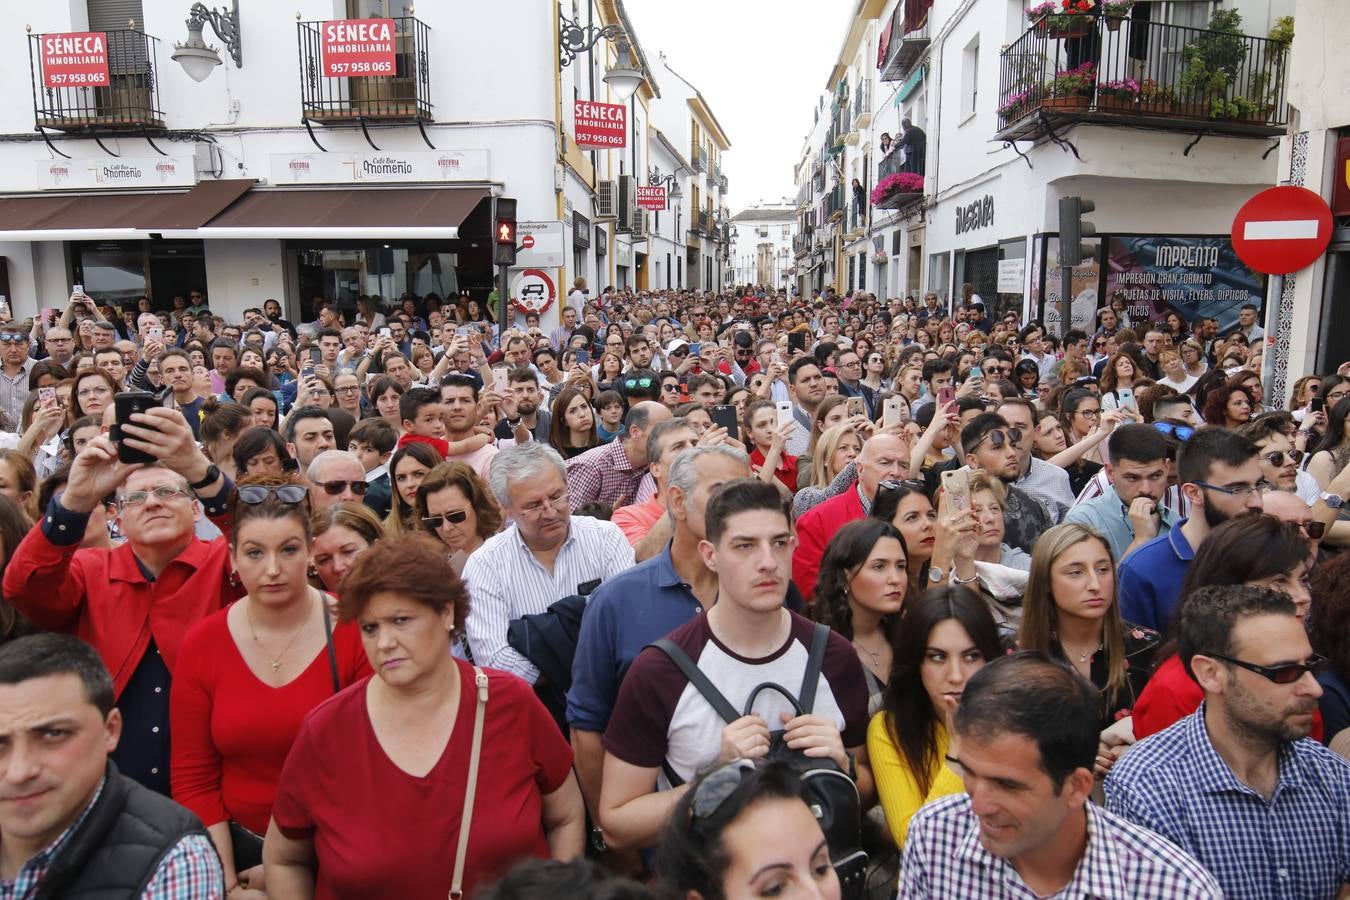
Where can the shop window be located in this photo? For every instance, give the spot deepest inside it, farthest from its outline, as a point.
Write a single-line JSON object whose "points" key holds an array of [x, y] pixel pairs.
{"points": [[939, 275]]}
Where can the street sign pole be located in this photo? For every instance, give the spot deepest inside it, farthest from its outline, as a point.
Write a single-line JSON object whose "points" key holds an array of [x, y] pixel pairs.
{"points": [[1065, 302]]}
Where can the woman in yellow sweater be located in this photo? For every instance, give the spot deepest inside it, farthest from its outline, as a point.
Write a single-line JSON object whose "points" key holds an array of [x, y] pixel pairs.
{"points": [[945, 636]]}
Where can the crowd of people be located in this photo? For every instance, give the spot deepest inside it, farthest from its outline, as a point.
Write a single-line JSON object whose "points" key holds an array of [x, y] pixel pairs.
{"points": [[692, 595]]}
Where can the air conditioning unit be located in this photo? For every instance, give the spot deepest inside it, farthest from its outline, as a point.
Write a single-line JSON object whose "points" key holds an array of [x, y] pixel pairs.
{"points": [[607, 200], [627, 203], [639, 224]]}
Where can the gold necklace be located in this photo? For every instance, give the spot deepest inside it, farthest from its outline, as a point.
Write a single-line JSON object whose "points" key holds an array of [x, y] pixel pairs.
{"points": [[275, 661]]}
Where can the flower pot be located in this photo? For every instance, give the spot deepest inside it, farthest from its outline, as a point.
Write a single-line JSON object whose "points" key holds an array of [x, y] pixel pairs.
{"points": [[1116, 104], [1065, 26], [1191, 110], [1113, 22], [1065, 104]]}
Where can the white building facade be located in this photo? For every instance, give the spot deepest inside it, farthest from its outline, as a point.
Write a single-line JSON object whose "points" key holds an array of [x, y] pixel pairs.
{"points": [[1019, 112], [762, 246], [287, 174]]}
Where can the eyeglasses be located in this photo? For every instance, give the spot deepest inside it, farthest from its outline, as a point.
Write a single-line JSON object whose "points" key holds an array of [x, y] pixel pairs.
{"points": [[1314, 530], [1089, 413], [1285, 674], [850, 365], [1241, 491], [349, 389], [333, 488], [1180, 432], [998, 437], [10, 338], [454, 518], [163, 494], [671, 388], [717, 787], [1276, 457], [557, 501], [253, 494]]}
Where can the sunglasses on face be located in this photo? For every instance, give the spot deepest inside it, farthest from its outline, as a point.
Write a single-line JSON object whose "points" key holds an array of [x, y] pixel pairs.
{"points": [[1276, 457], [1314, 530], [998, 437], [1285, 674], [253, 494], [333, 488], [1180, 432], [454, 518]]}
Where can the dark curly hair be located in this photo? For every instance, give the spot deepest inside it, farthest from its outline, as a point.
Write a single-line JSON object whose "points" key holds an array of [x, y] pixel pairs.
{"points": [[1329, 618], [1216, 403], [845, 554]]}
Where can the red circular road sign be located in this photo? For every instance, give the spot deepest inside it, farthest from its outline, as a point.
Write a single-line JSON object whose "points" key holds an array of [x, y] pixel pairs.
{"points": [[1282, 229], [527, 241]]}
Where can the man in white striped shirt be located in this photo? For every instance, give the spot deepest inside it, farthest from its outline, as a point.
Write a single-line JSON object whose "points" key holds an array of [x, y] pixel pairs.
{"points": [[546, 554]]}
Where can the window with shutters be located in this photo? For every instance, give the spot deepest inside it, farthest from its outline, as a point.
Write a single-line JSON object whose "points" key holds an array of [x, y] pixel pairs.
{"points": [[112, 15]]}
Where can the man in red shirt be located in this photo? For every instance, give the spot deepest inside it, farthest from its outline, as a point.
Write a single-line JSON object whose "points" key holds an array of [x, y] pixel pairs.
{"points": [[133, 603], [883, 458]]}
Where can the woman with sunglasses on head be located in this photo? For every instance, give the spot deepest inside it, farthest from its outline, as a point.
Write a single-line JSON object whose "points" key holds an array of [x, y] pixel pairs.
{"points": [[945, 637], [407, 467], [1070, 612], [746, 830], [455, 507], [1256, 550], [249, 674]]}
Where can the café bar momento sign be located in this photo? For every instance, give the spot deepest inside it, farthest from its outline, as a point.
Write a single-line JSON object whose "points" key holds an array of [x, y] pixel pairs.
{"points": [[357, 47], [75, 59], [600, 126]]}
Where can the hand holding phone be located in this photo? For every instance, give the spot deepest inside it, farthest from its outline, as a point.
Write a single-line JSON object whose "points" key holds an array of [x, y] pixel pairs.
{"points": [[125, 404], [891, 413], [726, 416], [945, 395], [956, 486]]}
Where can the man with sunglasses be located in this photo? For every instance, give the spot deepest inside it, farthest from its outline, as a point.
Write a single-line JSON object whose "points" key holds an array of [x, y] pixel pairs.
{"points": [[336, 476], [133, 603], [14, 371], [988, 442], [1235, 784]]}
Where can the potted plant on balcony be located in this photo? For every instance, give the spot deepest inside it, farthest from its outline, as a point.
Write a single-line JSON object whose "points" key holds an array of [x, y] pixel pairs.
{"points": [[1118, 96], [1071, 88], [895, 190], [1115, 12], [1210, 64], [1065, 19], [1020, 103]]}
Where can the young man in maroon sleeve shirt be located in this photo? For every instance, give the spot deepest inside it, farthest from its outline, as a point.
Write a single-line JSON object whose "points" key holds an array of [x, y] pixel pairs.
{"points": [[661, 721]]}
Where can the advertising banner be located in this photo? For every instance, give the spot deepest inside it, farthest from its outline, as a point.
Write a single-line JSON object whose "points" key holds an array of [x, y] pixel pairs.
{"points": [[1083, 284], [123, 172], [1192, 276], [75, 59], [649, 197], [600, 126], [387, 166], [357, 47]]}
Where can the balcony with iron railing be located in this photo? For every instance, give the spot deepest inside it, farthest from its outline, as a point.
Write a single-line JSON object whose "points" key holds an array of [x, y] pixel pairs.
{"points": [[69, 96], [698, 158], [335, 92], [862, 104], [904, 48], [1066, 70], [804, 194], [833, 206]]}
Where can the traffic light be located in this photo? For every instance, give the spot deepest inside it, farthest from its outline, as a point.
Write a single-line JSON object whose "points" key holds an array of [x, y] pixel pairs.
{"points": [[1073, 229], [504, 232]]}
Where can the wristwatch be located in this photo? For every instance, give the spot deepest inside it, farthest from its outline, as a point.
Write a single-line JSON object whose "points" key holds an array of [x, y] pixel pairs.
{"points": [[212, 473], [935, 574], [598, 840], [1335, 501]]}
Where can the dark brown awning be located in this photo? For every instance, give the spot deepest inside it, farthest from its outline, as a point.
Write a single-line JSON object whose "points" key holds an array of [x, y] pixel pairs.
{"points": [[55, 217], [199, 205], [363, 212]]}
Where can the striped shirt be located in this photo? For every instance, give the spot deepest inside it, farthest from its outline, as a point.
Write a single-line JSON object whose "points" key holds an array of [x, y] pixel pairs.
{"points": [[945, 858], [603, 474], [1048, 484], [189, 871], [1294, 846], [506, 582]]}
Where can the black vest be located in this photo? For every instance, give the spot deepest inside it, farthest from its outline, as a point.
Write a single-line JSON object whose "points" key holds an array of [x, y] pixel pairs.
{"points": [[116, 850]]}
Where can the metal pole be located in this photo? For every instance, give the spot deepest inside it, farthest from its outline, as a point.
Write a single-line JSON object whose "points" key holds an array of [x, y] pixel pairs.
{"points": [[1065, 301], [503, 302]]}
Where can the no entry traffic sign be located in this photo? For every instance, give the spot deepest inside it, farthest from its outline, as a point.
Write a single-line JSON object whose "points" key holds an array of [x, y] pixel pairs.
{"points": [[1282, 229]]}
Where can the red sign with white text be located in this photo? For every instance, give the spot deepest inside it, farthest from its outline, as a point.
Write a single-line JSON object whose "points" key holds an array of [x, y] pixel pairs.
{"points": [[600, 126], [652, 197], [1282, 229], [75, 59], [357, 47]]}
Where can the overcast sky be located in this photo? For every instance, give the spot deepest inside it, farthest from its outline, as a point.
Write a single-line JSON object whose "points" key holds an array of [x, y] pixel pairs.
{"points": [[760, 64]]}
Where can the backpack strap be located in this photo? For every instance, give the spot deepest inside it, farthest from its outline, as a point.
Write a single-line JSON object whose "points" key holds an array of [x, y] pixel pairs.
{"points": [[811, 681], [701, 684]]}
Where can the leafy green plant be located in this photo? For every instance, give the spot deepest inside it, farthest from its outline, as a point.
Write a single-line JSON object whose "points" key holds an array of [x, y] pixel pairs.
{"points": [[1282, 32], [1212, 59]]}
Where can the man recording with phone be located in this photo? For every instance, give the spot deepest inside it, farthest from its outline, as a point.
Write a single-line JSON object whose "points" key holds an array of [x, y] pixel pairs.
{"points": [[133, 603]]}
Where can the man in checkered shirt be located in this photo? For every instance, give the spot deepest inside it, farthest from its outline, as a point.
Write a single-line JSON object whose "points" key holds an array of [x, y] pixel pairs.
{"points": [[1238, 784], [1025, 740]]}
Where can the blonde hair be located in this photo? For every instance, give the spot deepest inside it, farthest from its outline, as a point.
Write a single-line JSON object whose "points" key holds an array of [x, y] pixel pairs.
{"points": [[980, 480], [822, 472], [1040, 615]]}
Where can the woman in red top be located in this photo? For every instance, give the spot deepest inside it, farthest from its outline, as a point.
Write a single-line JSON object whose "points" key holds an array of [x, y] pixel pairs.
{"points": [[249, 674], [767, 440], [384, 821]]}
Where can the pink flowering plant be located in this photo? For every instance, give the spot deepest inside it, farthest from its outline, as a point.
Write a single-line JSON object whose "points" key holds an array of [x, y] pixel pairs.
{"points": [[898, 183], [1075, 82], [1020, 102], [1123, 89], [1041, 9]]}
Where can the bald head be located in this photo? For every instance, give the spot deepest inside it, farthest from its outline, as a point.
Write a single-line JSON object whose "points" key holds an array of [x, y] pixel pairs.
{"points": [[335, 468], [883, 458], [638, 427]]}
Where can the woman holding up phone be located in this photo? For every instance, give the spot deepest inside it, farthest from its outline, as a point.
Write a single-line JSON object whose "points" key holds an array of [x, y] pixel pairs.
{"points": [[767, 441]]}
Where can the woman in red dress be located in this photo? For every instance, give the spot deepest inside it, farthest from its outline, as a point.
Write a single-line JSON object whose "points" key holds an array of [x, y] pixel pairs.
{"points": [[373, 793], [249, 674]]}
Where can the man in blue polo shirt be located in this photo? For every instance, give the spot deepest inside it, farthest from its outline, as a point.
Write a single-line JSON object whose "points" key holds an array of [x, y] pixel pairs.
{"points": [[1220, 477], [646, 603], [1131, 513]]}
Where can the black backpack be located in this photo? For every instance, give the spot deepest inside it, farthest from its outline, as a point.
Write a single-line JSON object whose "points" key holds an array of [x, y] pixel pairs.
{"points": [[833, 796]]}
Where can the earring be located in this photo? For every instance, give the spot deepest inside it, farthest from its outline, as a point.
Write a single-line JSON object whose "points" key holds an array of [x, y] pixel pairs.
{"points": [[312, 571], [234, 581]]}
